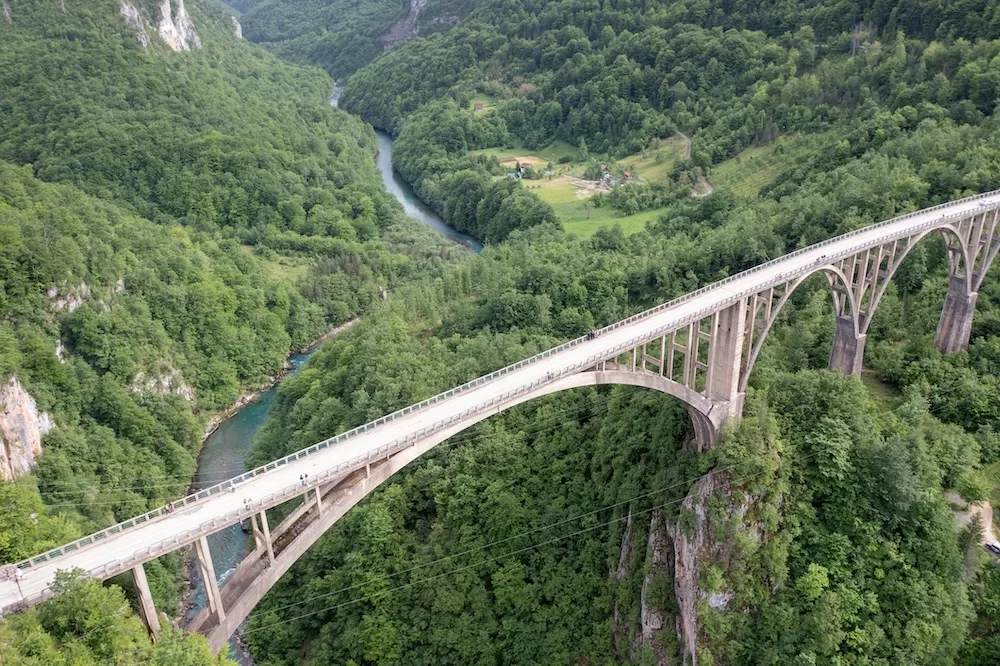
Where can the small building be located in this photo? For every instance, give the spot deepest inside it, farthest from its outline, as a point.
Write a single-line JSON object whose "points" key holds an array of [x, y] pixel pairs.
{"points": [[479, 106], [628, 177]]}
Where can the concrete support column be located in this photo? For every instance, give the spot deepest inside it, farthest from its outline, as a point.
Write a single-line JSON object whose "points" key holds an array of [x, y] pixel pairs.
{"points": [[208, 577], [267, 536], [955, 326], [725, 358], [258, 536], [319, 500], [147, 611], [726, 355], [848, 353]]}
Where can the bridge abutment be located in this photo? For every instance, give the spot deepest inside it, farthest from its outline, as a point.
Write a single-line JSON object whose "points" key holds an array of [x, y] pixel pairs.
{"points": [[955, 326], [848, 353]]}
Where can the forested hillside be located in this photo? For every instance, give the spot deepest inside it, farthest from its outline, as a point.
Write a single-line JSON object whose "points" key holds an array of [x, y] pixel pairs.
{"points": [[176, 216], [618, 80], [173, 223], [580, 528], [341, 36]]}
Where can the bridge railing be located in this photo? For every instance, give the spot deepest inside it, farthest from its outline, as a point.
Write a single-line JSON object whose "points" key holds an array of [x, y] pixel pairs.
{"points": [[341, 470], [208, 493]]}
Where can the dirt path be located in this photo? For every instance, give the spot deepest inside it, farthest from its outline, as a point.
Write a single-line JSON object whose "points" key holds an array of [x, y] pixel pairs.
{"points": [[687, 143], [702, 188], [983, 509]]}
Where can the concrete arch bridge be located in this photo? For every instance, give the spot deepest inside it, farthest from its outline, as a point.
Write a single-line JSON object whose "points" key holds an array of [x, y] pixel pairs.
{"points": [[699, 348]]}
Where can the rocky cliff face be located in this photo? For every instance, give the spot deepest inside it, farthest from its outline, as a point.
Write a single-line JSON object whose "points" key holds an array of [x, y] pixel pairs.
{"points": [[686, 571], [68, 298], [22, 427], [173, 25], [166, 383], [176, 28], [407, 27], [713, 508], [653, 619]]}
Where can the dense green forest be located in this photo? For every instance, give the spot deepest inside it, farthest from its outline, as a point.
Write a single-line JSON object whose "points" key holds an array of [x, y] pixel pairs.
{"points": [[819, 528], [220, 214], [172, 226], [618, 79], [341, 36]]}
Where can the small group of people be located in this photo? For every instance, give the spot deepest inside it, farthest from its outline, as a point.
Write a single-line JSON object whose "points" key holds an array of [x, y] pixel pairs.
{"points": [[170, 508], [304, 478], [593, 334]]}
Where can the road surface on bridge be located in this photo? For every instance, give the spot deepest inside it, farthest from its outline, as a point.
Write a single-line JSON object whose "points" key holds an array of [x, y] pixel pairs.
{"points": [[134, 541]]}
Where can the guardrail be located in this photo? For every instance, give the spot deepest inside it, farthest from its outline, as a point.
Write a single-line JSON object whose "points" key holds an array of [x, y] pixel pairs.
{"points": [[208, 493]]}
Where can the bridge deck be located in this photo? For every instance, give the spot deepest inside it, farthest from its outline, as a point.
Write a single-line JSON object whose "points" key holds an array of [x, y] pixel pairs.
{"points": [[135, 541]]}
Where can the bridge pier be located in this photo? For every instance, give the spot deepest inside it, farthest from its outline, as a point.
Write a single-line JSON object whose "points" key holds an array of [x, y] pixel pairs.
{"points": [[848, 353], [725, 360], [955, 326], [147, 611], [208, 577], [266, 536]]}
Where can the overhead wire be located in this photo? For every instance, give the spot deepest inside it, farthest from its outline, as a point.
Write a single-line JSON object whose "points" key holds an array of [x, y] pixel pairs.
{"points": [[483, 561]]}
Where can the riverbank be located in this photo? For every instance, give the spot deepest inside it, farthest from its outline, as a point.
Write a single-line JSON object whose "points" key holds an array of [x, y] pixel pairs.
{"points": [[228, 436], [251, 396], [396, 185]]}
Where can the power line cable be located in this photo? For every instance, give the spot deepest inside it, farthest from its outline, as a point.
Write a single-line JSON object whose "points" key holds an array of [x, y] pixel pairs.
{"points": [[487, 560]]}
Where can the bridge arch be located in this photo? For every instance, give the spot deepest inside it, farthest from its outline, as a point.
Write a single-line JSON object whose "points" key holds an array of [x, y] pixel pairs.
{"points": [[858, 283], [762, 316], [958, 258], [256, 574], [699, 348]]}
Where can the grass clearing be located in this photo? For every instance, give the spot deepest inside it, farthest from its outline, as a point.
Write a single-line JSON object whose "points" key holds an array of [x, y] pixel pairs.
{"points": [[579, 219], [748, 172], [885, 394], [653, 165], [283, 268], [570, 201], [488, 101], [550, 153]]}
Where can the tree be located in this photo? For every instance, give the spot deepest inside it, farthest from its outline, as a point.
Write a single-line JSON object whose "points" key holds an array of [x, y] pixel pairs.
{"points": [[973, 488]]}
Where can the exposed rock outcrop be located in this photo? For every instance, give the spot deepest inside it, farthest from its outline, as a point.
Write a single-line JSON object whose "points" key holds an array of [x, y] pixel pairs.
{"points": [[22, 427], [134, 21], [176, 28], [68, 298], [620, 632], [696, 546], [167, 383], [659, 555], [173, 25], [405, 28], [237, 28], [6, 11]]}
